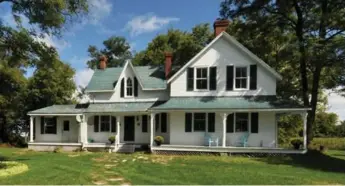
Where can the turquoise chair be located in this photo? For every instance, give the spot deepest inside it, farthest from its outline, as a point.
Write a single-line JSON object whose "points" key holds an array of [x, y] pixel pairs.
{"points": [[208, 140], [243, 142]]}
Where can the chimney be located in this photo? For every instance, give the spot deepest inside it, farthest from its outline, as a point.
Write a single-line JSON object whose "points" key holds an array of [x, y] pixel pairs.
{"points": [[168, 63], [220, 25], [103, 62]]}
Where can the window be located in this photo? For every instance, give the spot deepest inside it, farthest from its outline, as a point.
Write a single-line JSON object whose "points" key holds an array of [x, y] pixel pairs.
{"points": [[241, 78], [199, 121], [201, 78], [129, 87], [49, 125], [104, 124], [242, 121], [144, 121], [161, 122], [66, 125]]}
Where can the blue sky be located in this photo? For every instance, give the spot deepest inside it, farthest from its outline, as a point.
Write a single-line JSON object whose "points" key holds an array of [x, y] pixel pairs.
{"points": [[138, 21]]}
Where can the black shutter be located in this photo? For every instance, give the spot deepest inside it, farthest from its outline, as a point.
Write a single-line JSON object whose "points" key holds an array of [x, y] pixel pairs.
{"points": [[135, 87], [164, 122], [144, 123], [230, 123], [122, 92], [190, 79], [96, 123], [188, 122], [42, 125], [157, 121], [211, 122], [229, 77], [55, 124], [213, 78], [253, 77], [255, 123], [113, 124]]}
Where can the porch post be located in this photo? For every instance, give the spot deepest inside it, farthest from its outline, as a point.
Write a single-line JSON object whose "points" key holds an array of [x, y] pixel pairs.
{"points": [[304, 118], [85, 119], [31, 129], [152, 120], [118, 130], [225, 115]]}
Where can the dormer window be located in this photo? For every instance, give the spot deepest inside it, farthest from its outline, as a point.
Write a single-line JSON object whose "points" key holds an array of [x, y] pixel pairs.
{"points": [[241, 78], [129, 87], [201, 78]]}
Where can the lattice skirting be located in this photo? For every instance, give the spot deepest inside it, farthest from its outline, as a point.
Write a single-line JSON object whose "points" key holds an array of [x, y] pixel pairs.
{"points": [[184, 153]]}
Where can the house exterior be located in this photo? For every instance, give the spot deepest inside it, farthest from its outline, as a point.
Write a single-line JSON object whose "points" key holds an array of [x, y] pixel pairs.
{"points": [[222, 100]]}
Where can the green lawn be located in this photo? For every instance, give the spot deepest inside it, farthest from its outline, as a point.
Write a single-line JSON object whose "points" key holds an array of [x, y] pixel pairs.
{"points": [[104, 168]]}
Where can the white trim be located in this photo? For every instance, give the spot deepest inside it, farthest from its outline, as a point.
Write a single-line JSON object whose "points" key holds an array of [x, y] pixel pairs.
{"points": [[239, 45], [54, 114], [126, 86], [207, 78], [131, 101], [54, 143], [231, 110], [234, 78], [92, 91]]}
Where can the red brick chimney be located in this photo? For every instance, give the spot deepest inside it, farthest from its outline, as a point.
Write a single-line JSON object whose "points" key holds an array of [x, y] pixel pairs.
{"points": [[103, 62], [168, 63], [220, 25]]}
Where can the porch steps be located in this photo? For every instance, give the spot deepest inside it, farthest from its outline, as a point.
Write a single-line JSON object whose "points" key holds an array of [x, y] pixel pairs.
{"points": [[125, 148]]}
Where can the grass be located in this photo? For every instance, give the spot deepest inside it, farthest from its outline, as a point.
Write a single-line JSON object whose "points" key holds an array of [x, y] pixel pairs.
{"points": [[138, 168]]}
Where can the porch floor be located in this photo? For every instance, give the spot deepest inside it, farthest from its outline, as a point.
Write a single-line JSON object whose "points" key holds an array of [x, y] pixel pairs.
{"points": [[228, 149]]}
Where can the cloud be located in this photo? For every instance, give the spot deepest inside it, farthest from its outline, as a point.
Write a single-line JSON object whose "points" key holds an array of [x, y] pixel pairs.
{"points": [[59, 44], [336, 104], [82, 77], [148, 23], [98, 10], [78, 61]]}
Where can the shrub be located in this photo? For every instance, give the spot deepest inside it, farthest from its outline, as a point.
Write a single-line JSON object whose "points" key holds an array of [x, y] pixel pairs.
{"points": [[57, 150], [112, 139], [296, 143], [159, 139]]}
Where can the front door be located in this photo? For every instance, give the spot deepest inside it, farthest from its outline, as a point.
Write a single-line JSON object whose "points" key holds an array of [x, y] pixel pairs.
{"points": [[65, 131], [129, 128]]}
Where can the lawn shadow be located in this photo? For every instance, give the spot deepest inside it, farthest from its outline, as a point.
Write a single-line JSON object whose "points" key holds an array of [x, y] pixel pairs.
{"points": [[312, 160]]}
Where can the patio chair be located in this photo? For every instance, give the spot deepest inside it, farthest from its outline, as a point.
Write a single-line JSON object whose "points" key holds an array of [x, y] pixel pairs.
{"points": [[243, 141], [209, 140]]}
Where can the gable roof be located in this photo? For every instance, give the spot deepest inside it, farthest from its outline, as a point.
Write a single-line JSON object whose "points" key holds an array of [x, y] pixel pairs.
{"points": [[104, 80], [237, 44], [149, 77]]}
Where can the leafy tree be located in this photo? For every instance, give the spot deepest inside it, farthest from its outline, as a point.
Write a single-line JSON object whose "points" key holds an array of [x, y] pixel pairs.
{"points": [[316, 30], [325, 124], [116, 49], [340, 129], [183, 45]]}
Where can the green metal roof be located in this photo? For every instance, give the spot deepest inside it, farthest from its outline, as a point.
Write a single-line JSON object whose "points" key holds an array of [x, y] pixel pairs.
{"points": [[95, 107], [151, 77], [246, 102], [104, 79]]}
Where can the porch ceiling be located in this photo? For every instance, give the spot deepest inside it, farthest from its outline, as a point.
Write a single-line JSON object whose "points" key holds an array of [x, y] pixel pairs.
{"points": [[94, 108], [229, 103]]}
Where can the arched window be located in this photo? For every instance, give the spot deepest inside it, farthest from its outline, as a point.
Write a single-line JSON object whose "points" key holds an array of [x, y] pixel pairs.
{"points": [[129, 87]]}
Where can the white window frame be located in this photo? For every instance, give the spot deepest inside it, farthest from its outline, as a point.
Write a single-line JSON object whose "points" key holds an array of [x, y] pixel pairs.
{"points": [[249, 122], [126, 86], [247, 77], [99, 124], [48, 124], [206, 127], [207, 78]]}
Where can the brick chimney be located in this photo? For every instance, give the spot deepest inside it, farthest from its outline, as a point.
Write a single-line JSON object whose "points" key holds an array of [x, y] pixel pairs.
{"points": [[103, 62], [168, 64], [220, 25]]}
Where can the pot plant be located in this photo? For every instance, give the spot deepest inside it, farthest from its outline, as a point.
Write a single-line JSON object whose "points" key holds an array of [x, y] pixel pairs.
{"points": [[112, 139], [159, 140], [296, 143]]}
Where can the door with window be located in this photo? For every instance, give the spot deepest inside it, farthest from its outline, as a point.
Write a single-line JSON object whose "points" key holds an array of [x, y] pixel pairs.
{"points": [[66, 131]]}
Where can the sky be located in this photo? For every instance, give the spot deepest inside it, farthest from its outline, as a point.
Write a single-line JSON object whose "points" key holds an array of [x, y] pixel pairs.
{"points": [[139, 21]]}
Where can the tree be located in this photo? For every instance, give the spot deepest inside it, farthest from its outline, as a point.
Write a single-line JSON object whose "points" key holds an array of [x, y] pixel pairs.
{"points": [[182, 44], [325, 124], [316, 30], [116, 49]]}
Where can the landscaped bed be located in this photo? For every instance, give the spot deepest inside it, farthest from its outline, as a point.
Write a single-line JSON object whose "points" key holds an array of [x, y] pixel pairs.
{"points": [[139, 168]]}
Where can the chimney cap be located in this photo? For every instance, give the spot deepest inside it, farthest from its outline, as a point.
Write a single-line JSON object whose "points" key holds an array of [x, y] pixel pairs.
{"points": [[168, 54], [103, 58], [221, 22]]}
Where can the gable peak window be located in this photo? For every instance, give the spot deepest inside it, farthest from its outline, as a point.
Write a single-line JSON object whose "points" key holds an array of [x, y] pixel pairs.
{"points": [[129, 87], [201, 78], [241, 77]]}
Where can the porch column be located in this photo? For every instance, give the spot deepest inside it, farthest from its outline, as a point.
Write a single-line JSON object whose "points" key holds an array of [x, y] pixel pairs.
{"points": [[152, 121], [31, 129], [304, 118], [85, 119], [118, 129], [224, 115]]}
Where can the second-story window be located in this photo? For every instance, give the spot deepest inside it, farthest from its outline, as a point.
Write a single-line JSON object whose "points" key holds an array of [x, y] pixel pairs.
{"points": [[129, 87], [241, 78], [201, 78]]}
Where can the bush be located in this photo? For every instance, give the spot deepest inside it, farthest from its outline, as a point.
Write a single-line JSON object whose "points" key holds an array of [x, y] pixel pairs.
{"points": [[159, 139], [112, 139], [328, 143], [296, 143], [57, 150]]}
